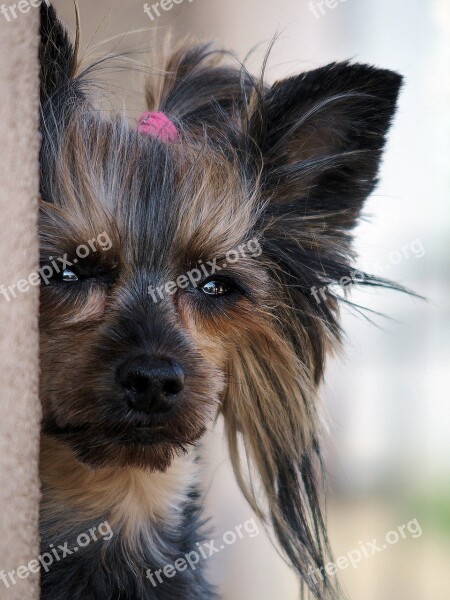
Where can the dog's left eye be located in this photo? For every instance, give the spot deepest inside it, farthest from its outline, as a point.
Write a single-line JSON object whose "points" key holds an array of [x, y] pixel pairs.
{"points": [[69, 276], [216, 287]]}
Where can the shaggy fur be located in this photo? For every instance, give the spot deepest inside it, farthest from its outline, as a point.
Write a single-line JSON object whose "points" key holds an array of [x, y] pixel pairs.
{"points": [[289, 165]]}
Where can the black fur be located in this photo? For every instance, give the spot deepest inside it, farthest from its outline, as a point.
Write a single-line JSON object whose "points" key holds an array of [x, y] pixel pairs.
{"points": [[56, 54]]}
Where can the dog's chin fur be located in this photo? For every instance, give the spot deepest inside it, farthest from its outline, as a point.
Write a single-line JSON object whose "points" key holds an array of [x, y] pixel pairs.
{"points": [[158, 457], [104, 453], [288, 166], [150, 449]]}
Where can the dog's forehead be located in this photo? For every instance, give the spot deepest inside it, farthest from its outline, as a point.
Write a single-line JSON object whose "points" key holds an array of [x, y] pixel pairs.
{"points": [[160, 201]]}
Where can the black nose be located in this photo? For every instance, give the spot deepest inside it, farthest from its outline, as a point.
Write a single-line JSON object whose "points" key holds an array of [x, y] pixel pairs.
{"points": [[152, 384]]}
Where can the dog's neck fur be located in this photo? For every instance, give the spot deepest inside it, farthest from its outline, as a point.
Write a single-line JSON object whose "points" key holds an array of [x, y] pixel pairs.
{"points": [[147, 512], [129, 498]]}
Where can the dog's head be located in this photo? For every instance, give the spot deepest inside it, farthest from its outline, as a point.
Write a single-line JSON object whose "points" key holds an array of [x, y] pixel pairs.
{"points": [[180, 277]]}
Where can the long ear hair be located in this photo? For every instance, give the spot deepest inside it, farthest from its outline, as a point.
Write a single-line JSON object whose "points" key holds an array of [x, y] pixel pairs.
{"points": [[271, 407], [314, 143]]}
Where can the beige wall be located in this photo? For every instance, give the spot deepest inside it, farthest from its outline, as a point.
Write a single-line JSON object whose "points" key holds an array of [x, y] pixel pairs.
{"points": [[19, 258]]}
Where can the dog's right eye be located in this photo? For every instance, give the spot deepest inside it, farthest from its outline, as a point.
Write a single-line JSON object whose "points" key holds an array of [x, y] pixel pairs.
{"points": [[69, 276], [216, 288]]}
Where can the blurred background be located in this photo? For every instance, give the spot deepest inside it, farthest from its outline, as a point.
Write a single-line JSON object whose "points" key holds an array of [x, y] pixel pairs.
{"points": [[388, 455]]}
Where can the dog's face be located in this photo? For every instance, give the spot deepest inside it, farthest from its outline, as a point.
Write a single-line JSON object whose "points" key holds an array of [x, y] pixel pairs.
{"points": [[138, 354], [138, 314]]}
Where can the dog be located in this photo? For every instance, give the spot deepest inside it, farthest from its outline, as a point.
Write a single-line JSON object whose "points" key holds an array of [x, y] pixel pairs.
{"points": [[255, 187]]}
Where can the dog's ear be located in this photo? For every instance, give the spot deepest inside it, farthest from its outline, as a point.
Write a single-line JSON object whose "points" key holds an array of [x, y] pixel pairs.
{"points": [[321, 136], [57, 54], [316, 142]]}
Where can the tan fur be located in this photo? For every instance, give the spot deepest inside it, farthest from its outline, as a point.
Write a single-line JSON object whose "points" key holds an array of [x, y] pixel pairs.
{"points": [[215, 215], [91, 310], [129, 498], [267, 419]]}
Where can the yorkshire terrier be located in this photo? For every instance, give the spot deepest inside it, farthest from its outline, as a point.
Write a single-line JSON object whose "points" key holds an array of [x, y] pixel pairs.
{"points": [[138, 355]]}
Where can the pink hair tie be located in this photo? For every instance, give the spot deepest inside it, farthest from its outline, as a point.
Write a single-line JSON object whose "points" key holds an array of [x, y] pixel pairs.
{"points": [[157, 125]]}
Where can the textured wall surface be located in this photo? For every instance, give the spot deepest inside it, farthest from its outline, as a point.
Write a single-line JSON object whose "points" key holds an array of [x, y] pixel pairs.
{"points": [[19, 403]]}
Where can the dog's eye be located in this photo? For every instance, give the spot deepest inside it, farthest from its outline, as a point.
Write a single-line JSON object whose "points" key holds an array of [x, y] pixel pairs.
{"points": [[69, 276], [216, 287]]}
